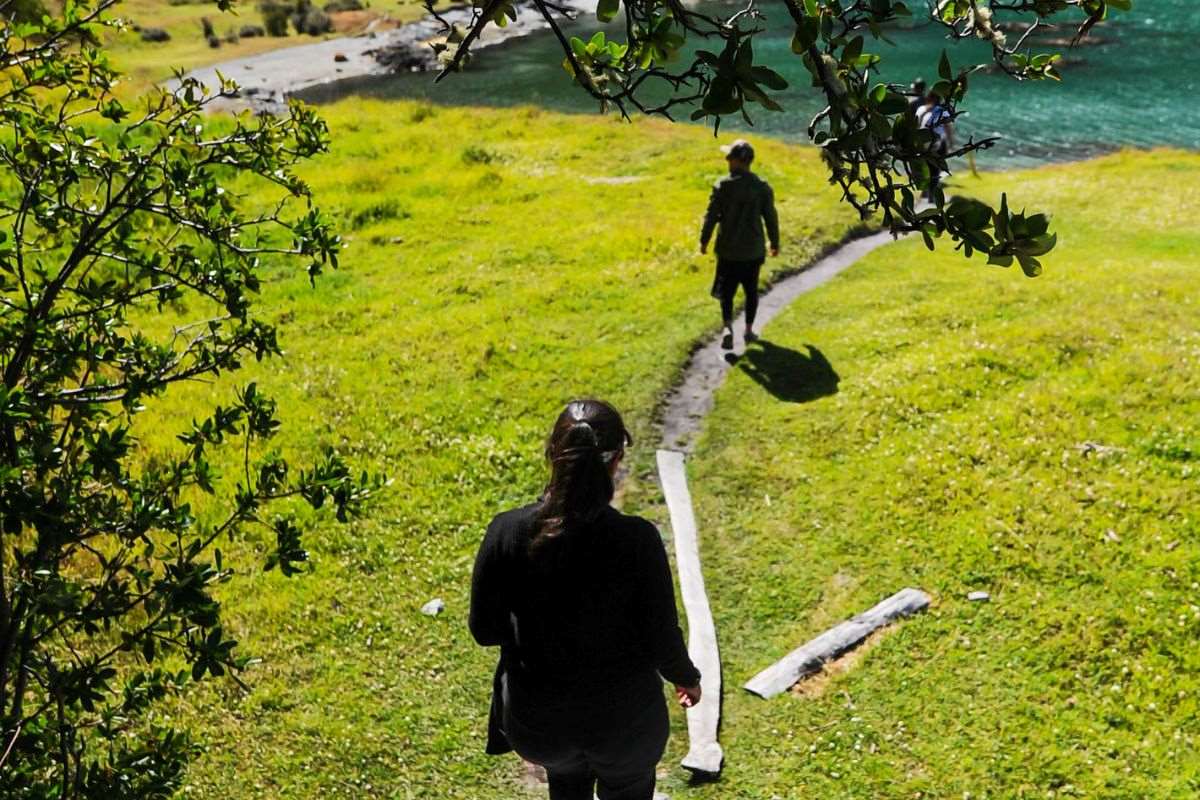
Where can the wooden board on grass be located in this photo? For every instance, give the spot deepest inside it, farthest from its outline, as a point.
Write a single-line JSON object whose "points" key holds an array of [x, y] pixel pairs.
{"points": [[704, 752]]}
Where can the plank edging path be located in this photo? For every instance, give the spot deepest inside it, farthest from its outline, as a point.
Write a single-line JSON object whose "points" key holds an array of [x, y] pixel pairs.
{"points": [[704, 751], [811, 656]]}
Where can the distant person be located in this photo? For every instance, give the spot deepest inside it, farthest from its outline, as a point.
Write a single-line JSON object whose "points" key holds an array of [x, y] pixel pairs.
{"points": [[579, 597], [740, 204], [918, 95], [936, 117]]}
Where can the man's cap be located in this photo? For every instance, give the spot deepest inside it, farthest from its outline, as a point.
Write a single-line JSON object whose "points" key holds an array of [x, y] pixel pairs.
{"points": [[740, 149]]}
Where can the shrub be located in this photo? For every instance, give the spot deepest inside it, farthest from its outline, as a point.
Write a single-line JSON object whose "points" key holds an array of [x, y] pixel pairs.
{"points": [[275, 17], [343, 5], [299, 10], [422, 113], [253, 31], [154, 35], [110, 584], [473, 154], [377, 212], [312, 21], [22, 10]]}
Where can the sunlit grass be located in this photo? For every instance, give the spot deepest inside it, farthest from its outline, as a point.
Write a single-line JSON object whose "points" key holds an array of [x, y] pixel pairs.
{"points": [[493, 271], [1035, 439]]}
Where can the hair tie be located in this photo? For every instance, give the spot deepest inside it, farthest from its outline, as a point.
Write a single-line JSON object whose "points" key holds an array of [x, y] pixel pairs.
{"points": [[588, 434]]}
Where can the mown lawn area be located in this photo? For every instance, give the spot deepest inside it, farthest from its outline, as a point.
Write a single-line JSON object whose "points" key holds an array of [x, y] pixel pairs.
{"points": [[498, 264], [925, 421]]}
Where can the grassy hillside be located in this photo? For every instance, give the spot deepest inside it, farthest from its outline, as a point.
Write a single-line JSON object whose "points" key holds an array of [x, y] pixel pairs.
{"points": [[925, 422], [498, 264]]}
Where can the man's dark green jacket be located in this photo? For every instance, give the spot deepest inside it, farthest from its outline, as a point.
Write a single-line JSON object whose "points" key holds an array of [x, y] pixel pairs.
{"points": [[740, 204]]}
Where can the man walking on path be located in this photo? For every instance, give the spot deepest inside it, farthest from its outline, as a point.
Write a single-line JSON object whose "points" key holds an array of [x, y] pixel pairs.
{"points": [[740, 204]]}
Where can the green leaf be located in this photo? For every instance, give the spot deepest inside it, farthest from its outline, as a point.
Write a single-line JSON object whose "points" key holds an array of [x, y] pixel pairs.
{"points": [[606, 10], [894, 103], [944, 69], [769, 78], [806, 35], [853, 51], [1030, 266], [745, 58], [1000, 222], [720, 98]]}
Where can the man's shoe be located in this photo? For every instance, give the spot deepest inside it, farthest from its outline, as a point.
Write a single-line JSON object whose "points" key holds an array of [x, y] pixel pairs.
{"points": [[751, 336], [727, 342]]}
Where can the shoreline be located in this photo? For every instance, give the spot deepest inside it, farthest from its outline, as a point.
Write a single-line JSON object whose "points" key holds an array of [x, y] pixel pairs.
{"points": [[267, 80]]}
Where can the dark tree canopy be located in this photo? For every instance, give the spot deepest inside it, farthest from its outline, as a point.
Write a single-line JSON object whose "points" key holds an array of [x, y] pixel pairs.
{"points": [[114, 215], [876, 152]]}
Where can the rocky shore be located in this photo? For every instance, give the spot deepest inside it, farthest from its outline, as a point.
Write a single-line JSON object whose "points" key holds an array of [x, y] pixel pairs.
{"points": [[268, 79]]}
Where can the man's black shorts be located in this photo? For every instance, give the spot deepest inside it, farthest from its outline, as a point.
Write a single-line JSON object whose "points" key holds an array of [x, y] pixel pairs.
{"points": [[732, 273]]}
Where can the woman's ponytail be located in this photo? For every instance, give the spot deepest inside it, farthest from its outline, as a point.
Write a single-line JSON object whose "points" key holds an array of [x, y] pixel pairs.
{"points": [[587, 437]]}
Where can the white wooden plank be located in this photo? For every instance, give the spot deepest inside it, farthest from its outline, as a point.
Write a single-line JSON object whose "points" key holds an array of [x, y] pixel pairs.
{"points": [[810, 657], [704, 751]]}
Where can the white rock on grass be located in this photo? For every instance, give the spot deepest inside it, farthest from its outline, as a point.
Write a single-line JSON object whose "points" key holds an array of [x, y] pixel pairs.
{"points": [[433, 607], [979, 597]]}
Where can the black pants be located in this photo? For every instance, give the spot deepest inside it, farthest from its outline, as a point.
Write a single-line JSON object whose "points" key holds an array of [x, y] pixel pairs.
{"points": [[586, 755], [731, 274]]}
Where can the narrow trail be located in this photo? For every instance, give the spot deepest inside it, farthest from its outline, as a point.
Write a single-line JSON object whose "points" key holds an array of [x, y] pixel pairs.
{"points": [[688, 403], [682, 415]]}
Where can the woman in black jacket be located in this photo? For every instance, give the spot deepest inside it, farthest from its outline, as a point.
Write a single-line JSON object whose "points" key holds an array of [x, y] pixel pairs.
{"points": [[580, 600]]}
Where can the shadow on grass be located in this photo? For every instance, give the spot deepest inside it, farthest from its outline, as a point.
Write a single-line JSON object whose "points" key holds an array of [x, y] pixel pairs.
{"points": [[790, 375]]}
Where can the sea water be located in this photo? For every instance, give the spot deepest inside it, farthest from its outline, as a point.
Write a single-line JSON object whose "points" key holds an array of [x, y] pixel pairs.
{"points": [[1137, 85]]}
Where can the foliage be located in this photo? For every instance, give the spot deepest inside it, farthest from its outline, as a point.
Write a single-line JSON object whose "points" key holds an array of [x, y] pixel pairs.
{"points": [[307, 18], [876, 151], [22, 10], [117, 213], [275, 16], [343, 5], [1035, 440]]}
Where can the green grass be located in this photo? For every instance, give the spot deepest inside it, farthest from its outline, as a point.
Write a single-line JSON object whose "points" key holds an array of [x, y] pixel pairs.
{"points": [[490, 276], [952, 457]]}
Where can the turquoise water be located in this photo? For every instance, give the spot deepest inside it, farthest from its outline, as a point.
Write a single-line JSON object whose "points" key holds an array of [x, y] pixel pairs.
{"points": [[1139, 87]]}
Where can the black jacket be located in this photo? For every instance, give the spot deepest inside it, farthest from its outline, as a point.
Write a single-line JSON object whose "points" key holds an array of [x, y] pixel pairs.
{"points": [[583, 622], [741, 203]]}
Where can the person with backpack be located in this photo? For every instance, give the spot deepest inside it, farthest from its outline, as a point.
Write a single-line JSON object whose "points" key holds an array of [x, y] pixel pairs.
{"points": [[740, 204], [936, 116], [917, 93], [580, 600]]}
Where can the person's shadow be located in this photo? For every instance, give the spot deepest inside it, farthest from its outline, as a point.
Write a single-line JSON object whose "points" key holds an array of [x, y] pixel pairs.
{"points": [[790, 375]]}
